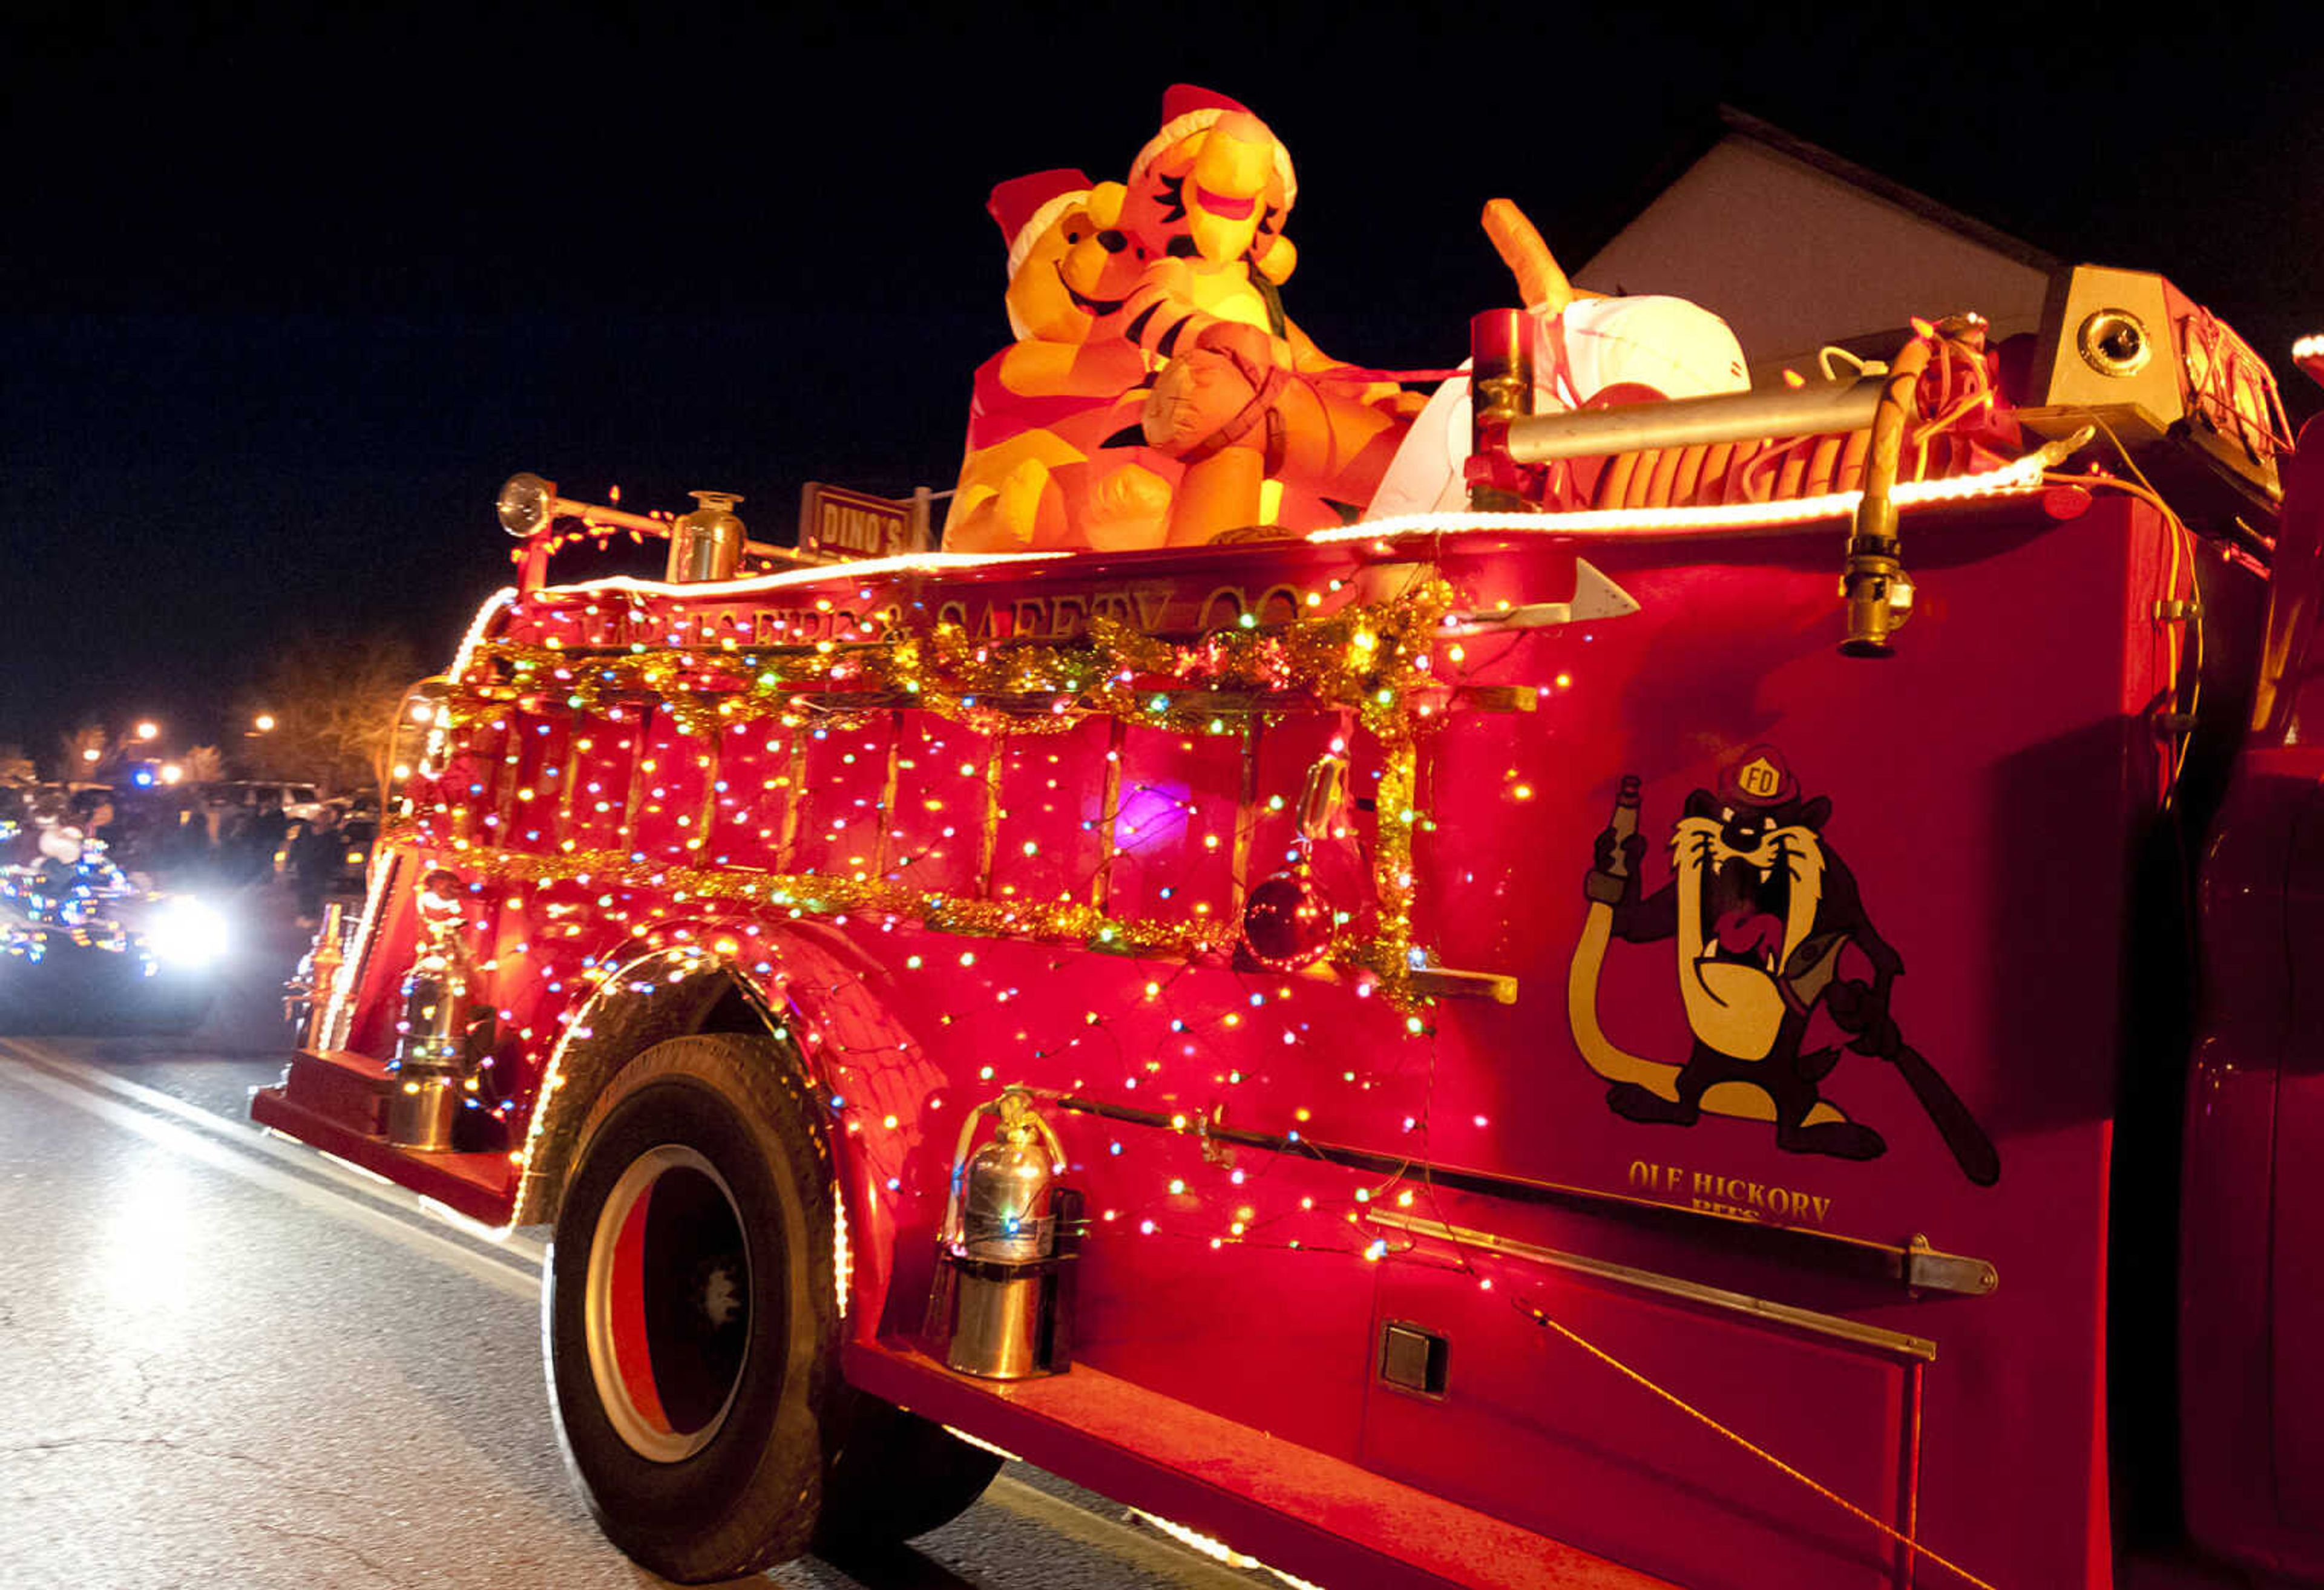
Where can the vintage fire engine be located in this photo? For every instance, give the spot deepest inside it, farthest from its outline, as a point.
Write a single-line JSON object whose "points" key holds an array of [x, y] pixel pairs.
{"points": [[1558, 1044]]}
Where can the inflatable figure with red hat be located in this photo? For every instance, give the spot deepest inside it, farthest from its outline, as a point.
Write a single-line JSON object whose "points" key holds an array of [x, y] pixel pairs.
{"points": [[1258, 413], [1155, 392], [1773, 944], [1038, 473]]}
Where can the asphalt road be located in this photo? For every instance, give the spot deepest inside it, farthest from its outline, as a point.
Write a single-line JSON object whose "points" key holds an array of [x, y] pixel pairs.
{"points": [[230, 1361]]}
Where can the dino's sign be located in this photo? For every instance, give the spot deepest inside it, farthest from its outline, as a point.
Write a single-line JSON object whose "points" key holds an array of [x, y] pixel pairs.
{"points": [[843, 523]]}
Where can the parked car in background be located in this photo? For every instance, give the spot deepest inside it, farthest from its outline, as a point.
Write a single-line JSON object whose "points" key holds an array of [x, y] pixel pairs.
{"points": [[360, 832], [296, 800]]}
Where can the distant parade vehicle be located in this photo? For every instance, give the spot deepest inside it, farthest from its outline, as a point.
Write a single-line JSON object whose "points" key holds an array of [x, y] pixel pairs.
{"points": [[86, 948], [1547, 1038]]}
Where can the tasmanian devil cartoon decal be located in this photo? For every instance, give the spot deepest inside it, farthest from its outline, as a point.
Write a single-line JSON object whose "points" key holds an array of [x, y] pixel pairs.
{"points": [[1769, 929]]}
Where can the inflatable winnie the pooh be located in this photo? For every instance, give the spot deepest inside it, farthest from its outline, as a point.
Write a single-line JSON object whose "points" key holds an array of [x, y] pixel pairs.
{"points": [[1039, 474]]}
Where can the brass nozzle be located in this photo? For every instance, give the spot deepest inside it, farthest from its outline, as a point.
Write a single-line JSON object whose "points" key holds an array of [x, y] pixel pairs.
{"points": [[1877, 591]]}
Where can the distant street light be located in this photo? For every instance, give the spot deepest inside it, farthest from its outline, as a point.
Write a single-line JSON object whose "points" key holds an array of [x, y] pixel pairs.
{"points": [[172, 773], [91, 754], [264, 723], [148, 730]]}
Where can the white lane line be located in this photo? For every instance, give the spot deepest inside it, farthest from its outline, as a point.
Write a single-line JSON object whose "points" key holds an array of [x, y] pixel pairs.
{"points": [[68, 1081], [493, 1272], [354, 1178]]}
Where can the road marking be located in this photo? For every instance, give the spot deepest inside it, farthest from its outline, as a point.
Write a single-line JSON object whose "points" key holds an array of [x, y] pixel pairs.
{"points": [[493, 1272], [255, 1140], [352, 1199]]}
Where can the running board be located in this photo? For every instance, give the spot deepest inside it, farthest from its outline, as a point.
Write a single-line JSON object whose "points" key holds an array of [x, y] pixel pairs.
{"points": [[1321, 1518], [336, 1101]]}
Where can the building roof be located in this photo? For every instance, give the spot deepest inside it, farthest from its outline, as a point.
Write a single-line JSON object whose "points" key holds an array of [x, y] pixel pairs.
{"points": [[1743, 125], [1797, 247]]}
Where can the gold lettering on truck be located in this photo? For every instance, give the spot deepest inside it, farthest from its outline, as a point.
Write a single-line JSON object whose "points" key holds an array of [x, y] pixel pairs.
{"points": [[1715, 1193]]}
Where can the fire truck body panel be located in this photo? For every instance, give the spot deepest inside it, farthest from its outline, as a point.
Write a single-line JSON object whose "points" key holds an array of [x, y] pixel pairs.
{"points": [[2251, 1295], [2296, 1317], [2248, 1280], [1581, 1207]]}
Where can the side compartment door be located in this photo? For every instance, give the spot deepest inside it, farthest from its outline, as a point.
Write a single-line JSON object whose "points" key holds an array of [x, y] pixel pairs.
{"points": [[2296, 1237]]}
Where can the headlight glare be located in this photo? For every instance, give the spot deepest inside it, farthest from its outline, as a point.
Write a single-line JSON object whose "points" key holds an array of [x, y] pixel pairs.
{"points": [[187, 932]]}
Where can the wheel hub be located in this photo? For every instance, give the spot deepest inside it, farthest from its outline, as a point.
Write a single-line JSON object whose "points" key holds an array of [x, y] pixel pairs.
{"points": [[667, 1307], [720, 1297]]}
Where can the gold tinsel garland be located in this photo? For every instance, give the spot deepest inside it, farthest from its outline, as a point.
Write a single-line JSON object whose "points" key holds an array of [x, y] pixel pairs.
{"points": [[1370, 659], [826, 894]]}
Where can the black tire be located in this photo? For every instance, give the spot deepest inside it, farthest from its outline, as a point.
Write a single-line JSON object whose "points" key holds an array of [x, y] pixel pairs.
{"points": [[895, 1476], [753, 1450], [727, 1479]]}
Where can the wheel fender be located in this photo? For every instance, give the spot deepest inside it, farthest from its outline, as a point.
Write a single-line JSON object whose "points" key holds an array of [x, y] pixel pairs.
{"points": [[818, 997]]}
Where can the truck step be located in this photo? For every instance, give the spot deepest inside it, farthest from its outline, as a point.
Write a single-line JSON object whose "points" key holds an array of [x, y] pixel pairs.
{"points": [[340, 1086], [336, 1101], [1293, 1508]]}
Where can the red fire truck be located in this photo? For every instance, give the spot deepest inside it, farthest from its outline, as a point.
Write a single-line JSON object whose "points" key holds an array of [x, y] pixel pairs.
{"points": [[1539, 1047]]}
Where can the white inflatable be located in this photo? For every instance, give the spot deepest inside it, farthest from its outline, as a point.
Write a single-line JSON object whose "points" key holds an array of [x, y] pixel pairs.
{"points": [[1671, 347]]}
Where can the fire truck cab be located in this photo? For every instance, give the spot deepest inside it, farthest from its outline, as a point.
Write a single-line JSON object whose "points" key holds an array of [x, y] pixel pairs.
{"points": [[1534, 1047]]}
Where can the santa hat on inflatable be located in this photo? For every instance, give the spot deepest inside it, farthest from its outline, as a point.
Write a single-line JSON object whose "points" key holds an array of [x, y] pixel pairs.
{"points": [[1027, 207], [1186, 110]]}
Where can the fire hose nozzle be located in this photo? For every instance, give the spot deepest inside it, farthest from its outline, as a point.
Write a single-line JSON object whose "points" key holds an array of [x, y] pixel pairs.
{"points": [[1876, 587]]}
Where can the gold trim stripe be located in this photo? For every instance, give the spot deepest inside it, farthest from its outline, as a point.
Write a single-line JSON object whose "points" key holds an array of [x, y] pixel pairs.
{"points": [[1694, 1292]]}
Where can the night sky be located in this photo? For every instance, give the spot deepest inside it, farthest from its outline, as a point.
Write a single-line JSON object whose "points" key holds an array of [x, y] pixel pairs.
{"points": [[284, 297]]}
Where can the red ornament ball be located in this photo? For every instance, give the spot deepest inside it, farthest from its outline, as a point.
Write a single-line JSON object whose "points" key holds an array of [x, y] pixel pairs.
{"points": [[1288, 922]]}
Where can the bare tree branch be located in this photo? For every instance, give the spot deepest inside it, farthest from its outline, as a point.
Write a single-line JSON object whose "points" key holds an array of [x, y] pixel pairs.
{"points": [[73, 760], [333, 699]]}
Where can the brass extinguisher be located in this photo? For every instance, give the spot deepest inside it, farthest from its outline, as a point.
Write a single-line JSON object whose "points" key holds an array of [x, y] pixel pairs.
{"points": [[431, 1065], [1001, 1307]]}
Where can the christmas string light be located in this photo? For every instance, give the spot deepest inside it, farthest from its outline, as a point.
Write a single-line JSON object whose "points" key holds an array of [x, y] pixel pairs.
{"points": [[1371, 661], [676, 699], [1371, 658], [829, 894]]}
